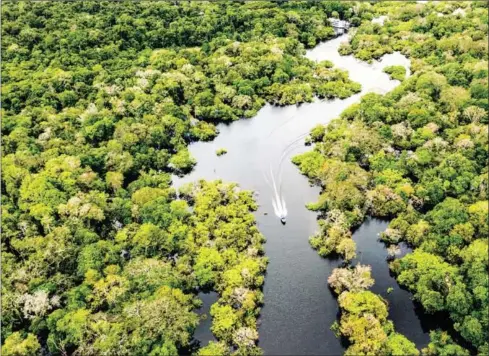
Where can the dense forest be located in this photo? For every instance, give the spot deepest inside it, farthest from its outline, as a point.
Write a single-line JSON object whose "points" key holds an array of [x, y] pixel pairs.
{"points": [[417, 155], [100, 255], [100, 100]]}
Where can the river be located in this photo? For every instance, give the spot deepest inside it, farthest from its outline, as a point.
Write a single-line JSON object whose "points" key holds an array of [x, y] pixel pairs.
{"points": [[299, 307]]}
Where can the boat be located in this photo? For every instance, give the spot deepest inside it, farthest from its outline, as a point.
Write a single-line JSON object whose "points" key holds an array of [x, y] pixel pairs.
{"points": [[283, 220]]}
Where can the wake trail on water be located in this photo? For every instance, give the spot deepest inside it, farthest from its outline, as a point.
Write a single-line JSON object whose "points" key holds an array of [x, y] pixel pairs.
{"points": [[278, 201]]}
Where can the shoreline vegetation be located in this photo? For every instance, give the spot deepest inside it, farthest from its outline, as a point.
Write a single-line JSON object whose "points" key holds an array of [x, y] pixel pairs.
{"points": [[101, 255], [418, 156]]}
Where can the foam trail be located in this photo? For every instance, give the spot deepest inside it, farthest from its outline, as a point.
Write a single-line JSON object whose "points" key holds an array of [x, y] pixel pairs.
{"points": [[275, 208], [284, 209], [277, 201]]}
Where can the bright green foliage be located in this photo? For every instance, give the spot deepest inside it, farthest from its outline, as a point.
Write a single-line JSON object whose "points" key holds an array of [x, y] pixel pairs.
{"points": [[417, 155], [364, 322], [182, 162], [396, 72], [221, 151], [442, 344], [99, 103], [310, 163], [431, 277], [131, 291], [224, 321], [398, 345], [16, 345], [208, 265], [461, 290], [214, 349], [334, 236]]}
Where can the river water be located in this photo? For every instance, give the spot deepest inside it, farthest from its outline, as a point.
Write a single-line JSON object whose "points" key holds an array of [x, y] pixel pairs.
{"points": [[299, 307]]}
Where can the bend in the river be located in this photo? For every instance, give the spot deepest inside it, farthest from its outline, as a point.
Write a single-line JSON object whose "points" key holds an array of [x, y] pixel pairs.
{"points": [[299, 307]]}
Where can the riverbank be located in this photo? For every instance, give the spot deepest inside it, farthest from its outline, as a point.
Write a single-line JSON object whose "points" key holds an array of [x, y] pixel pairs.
{"points": [[299, 307]]}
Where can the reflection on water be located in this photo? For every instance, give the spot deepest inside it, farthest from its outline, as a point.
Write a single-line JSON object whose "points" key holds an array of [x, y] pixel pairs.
{"points": [[299, 307], [409, 317], [203, 332], [371, 251]]}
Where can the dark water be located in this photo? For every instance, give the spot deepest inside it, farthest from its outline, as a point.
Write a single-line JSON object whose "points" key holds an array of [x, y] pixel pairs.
{"points": [[407, 316], [203, 333], [299, 307]]}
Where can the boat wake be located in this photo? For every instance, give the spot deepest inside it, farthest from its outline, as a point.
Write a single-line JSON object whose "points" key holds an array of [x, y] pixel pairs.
{"points": [[278, 201]]}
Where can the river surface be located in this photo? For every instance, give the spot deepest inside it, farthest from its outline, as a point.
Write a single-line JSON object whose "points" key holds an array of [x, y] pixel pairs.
{"points": [[299, 307], [409, 318]]}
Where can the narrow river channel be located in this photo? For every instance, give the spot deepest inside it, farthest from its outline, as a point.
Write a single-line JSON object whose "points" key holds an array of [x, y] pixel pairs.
{"points": [[299, 307]]}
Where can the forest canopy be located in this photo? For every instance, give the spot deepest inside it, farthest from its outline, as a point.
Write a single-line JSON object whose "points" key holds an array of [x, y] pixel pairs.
{"points": [[418, 156], [100, 100], [100, 254]]}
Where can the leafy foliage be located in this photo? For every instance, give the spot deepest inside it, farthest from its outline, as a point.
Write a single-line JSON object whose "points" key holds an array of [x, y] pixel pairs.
{"points": [[221, 151], [99, 103], [417, 155], [396, 72], [364, 322]]}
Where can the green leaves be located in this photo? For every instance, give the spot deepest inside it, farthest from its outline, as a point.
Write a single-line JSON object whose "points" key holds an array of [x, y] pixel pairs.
{"points": [[398, 345], [225, 321], [16, 345], [396, 72], [442, 344], [414, 155], [364, 322], [99, 104], [208, 266]]}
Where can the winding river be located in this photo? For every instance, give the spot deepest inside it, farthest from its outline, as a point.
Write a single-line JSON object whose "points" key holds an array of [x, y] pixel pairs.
{"points": [[299, 307]]}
